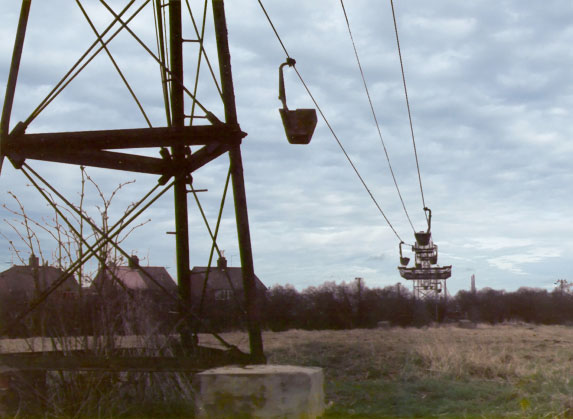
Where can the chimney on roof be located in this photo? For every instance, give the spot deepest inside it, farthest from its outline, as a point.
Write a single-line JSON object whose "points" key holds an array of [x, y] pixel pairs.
{"points": [[34, 261], [133, 262], [222, 262]]}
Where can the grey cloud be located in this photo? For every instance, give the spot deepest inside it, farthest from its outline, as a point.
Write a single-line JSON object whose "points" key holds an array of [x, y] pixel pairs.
{"points": [[490, 90]]}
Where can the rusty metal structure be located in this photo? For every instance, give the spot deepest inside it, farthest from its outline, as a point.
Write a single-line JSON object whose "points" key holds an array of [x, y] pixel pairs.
{"points": [[429, 279], [189, 124]]}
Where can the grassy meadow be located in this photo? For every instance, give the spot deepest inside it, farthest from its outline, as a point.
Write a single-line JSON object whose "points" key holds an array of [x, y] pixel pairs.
{"points": [[508, 370], [514, 370]]}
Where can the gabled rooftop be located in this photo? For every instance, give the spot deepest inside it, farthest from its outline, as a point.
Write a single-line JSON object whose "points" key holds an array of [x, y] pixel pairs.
{"points": [[33, 278], [221, 277], [135, 277]]}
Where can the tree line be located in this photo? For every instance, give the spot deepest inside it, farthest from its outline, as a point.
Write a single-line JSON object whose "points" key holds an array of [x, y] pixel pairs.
{"points": [[354, 305], [328, 306]]}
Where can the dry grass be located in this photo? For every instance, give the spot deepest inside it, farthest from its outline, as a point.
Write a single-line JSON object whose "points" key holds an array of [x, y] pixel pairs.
{"points": [[98, 393], [508, 351], [491, 371], [514, 370]]}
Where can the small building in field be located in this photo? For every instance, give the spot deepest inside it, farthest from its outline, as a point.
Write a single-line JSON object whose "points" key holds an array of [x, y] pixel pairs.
{"points": [[136, 278], [224, 283], [29, 281]]}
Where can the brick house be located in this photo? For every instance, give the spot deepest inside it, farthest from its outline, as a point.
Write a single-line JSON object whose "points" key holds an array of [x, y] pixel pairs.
{"points": [[28, 281], [223, 282], [133, 277]]}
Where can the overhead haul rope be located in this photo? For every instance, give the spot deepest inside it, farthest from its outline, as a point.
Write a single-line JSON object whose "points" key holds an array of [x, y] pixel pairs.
{"points": [[408, 106], [374, 113], [329, 126]]}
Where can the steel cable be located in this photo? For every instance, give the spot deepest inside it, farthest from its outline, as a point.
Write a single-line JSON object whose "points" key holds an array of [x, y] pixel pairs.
{"points": [[330, 126], [374, 114], [408, 105]]}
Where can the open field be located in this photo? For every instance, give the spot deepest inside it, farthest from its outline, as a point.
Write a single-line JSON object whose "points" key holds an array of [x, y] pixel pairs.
{"points": [[516, 370]]}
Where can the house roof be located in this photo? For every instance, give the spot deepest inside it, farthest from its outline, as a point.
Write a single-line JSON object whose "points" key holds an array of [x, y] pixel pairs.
{"points": [[27, 278], [148, 278], [219, 278]]}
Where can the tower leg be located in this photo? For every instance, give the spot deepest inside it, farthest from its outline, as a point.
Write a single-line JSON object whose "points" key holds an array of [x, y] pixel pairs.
{"points": [[239, 194], [13, 75], [181, 177]]}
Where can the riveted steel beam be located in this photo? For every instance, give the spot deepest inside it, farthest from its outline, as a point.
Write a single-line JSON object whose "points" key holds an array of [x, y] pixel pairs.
{"points": [[123, 138]]}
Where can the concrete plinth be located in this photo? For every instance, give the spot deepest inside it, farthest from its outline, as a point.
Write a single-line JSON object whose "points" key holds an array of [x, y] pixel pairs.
{"points": [[260, 391]]}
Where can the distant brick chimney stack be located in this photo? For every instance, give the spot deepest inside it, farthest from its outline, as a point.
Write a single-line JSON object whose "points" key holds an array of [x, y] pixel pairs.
{"points": [[222, 263], [133, 262], [34, 261]]}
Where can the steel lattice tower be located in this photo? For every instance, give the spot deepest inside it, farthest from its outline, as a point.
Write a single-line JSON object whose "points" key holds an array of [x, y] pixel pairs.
{"points": [[191, 138]]}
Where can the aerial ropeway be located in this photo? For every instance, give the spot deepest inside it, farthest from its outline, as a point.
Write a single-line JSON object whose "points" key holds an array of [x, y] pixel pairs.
{"points": [[429, 278], [299, 125]]}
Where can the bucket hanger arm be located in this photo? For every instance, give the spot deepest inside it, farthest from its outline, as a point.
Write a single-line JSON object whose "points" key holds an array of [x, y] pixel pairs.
{"points": [[403, 260], [282, 95], [429, 211]]}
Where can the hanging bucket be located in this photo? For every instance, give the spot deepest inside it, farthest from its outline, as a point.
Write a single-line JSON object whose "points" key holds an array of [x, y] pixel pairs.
{"points": [[423, 238], [299, 124]]}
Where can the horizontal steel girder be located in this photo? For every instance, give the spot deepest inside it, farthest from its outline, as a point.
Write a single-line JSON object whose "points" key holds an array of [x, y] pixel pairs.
{"points": [[122, 138], [437, 273], [203, 358], [88, 148], [126, 162]]}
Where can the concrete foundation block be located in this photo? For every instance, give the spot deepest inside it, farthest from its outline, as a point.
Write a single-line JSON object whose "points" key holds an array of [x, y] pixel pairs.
{"points": [[260, 391]]}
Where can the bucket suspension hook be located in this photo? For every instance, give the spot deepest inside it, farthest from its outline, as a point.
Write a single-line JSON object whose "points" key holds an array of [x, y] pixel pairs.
{"points": [[299, 124], [429, 211], [282, 95], [403, 260]]}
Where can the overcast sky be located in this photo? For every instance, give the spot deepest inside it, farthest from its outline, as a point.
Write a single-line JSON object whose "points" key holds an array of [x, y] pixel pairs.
{"points": [[490, 90]]}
